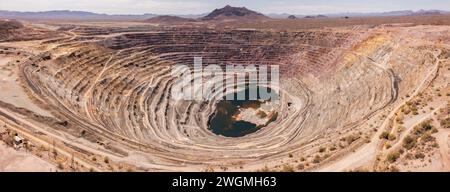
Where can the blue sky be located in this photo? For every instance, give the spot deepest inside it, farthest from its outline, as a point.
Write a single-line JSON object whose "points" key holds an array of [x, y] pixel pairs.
{"points": [[203, 6]]}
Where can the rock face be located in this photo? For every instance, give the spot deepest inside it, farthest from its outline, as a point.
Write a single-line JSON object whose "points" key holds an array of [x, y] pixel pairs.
{"points": [[229, 12], [169, 19], [9, 25], [14, 30], [120, 89], [112, 86]]}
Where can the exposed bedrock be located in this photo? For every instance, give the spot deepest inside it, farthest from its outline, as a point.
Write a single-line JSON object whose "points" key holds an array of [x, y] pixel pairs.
{"points": [[331, 81]]}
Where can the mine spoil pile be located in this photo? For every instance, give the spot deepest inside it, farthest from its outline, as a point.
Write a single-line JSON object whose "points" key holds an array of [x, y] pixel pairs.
{"points": [[333, 83], [11, 30]]}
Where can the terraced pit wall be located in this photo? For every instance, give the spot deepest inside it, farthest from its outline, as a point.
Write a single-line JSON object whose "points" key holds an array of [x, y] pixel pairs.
{"points": [[332, 84]]}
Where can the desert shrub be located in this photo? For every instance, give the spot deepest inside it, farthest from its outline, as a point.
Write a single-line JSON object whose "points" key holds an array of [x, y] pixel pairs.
{"points": [[422, 128], [388, 145], [427, 126], [427, 137], [287, 168], [351, 138], [322, 149], [392, 157], [55, 153], [392, 137], [399, 120], [317, 159], [384, 135], [406, 111], [409, 142], [417, 130], [445, 123], [434, 130], [394, 169], [401, 128], [408, 156], [60, 166], [419, 156], [388, 136], [106, 160]]}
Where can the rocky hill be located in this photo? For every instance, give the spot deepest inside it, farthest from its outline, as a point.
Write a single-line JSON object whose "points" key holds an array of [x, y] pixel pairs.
{"points": [[229, 12], [12, 30]]}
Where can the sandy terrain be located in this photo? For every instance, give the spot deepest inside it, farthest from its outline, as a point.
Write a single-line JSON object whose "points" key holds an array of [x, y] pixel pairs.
{"points": [[11, 91], [20, 161]]}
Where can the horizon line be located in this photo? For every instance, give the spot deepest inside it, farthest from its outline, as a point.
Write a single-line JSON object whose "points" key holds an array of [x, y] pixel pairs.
{"points": [[271, 13]]}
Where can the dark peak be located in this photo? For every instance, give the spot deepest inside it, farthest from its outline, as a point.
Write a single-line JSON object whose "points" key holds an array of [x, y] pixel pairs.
{"points": [[292, 17], [229, 12]]}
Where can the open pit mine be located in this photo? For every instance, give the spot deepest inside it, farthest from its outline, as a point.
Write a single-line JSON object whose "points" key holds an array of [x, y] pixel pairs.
{"points": [[96, 96]]}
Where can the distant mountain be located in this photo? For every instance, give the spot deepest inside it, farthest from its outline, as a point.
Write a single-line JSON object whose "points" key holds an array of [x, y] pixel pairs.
{"points": [[229, 12], [356, 14], [419, 12], [315, 16], [391, 13], [169, 19], [292, 17], [395, 13], [281, 15], [70, 15], [430, 12]]}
